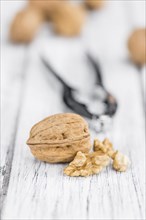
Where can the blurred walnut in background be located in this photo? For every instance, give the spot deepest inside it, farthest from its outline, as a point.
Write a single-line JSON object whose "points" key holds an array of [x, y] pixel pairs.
{"points": [[137, 46], [94, 4], [25, 25], [68, 19], [41, 4], [46, 6]]}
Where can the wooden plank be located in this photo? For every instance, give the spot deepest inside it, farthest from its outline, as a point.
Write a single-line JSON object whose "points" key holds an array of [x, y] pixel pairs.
{"points": [[13, 77], [129, 136], [12, 61], [135, 14], [142, 76]]}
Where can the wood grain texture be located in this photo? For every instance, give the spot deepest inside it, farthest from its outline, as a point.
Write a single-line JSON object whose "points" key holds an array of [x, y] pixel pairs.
{"points": [[13, 65], [143, 84], [12, 93], [37, 190]]}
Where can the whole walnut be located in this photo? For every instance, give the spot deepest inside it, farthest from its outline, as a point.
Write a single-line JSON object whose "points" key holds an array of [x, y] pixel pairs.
{"points": [[68, 19], [59, 137], [94, 4], [137, 46], [25, 25]]}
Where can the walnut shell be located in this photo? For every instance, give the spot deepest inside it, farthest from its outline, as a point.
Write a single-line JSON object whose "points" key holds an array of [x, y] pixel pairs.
{"points": [[137, 46], [94, 4], [59, 137], [41, 4], [68, 19], [46, 6], [25, 25]]}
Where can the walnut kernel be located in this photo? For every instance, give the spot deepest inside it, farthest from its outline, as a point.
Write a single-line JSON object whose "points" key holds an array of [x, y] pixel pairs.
{"points": [[105, 146], [87, 164], [120, 161]]}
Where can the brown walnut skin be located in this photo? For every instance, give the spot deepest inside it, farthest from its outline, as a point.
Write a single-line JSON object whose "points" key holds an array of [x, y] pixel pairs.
{"points": [[68, 19], [25, 25], [137, 46], [94, 4], [59, 137]]}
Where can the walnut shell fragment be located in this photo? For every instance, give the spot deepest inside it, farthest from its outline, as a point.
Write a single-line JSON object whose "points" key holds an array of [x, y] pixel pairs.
{"points": [[59, 137]]}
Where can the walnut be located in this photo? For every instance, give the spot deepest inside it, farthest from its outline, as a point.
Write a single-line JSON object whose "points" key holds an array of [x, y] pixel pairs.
{"points": [[41, 4], [120, 161], [59, 137], [87, 164], [94, 4], [25, 25], [45, 6], [137, 46], [68, 19]]}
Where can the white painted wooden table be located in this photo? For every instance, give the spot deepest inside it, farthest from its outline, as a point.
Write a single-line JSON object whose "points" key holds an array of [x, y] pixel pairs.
{"points": [[37, 190]]}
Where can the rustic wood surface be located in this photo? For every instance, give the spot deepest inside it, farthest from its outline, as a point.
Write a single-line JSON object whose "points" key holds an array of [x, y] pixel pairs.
{"points": [[37, 190]]}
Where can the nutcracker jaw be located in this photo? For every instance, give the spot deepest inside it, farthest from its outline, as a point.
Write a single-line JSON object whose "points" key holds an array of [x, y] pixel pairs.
{"points": [[101, 124], [98, 120]]}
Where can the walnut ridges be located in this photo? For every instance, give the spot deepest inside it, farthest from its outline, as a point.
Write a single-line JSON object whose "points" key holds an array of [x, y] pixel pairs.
{"points": [[59, 137]]}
